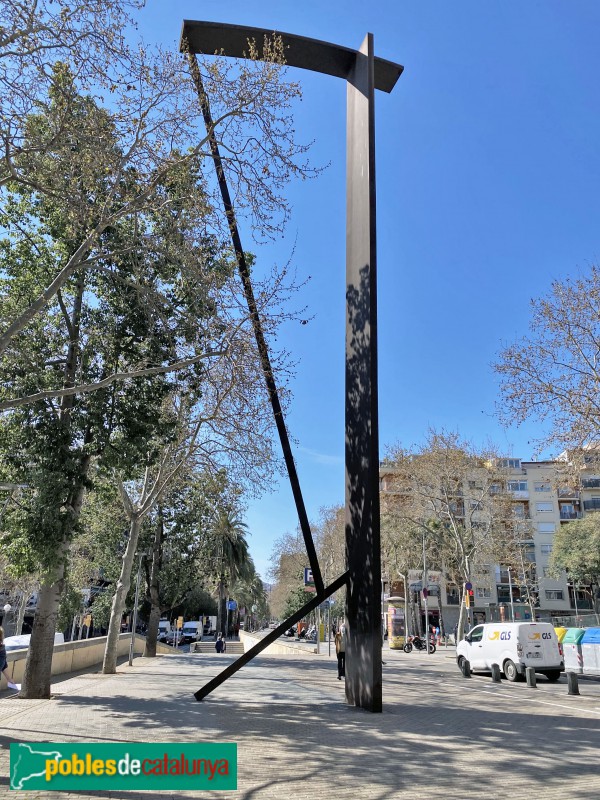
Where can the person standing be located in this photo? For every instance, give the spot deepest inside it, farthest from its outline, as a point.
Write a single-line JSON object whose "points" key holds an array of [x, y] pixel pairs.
{"points": [[220, 644], [4, 663], [340, 649]]}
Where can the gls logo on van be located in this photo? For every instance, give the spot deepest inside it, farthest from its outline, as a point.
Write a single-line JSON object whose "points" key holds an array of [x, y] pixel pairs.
{"points": [[503, 636], [538, 636]]}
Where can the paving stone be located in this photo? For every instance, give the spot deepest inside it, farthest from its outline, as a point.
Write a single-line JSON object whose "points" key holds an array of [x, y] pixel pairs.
{"points": [[439, 735]]}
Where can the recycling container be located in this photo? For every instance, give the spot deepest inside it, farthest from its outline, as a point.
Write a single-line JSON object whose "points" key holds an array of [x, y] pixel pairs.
{"points": [[571, 645], [560, 633], [590, 651]]}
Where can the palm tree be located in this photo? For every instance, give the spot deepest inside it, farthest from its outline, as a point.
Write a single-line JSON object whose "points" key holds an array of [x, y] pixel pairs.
{"points": [[250, 592], [229, 556]]}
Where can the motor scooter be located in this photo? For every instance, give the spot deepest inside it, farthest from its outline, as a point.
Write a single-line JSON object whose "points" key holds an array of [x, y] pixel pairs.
{"points": [[418, 643]]}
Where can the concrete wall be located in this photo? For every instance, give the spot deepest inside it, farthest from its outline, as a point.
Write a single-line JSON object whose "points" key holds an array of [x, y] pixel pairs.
{"points": [[74, 656], [275, 648]]}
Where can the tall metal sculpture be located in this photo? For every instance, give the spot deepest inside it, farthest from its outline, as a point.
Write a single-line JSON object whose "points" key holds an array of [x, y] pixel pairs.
{"points": [[364, 73]]}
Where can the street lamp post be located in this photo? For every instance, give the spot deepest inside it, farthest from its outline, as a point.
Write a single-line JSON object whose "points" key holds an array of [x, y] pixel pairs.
{"points": [[425, 593]]}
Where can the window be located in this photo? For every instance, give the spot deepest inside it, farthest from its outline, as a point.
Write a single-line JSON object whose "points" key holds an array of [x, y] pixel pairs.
{"points": [[546, 549], [519, 510], [544, 507], [495, 488], [476, 505], [483, 593], [554, 594], [476, 485], [477, 634], [547, 573], [529, 553], [510, 463], [546, 527], [517, 486], [541, 486], [503, 594]]}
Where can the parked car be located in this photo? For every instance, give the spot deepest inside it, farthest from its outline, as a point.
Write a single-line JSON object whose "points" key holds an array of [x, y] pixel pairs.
{"points": [[22, 642]]}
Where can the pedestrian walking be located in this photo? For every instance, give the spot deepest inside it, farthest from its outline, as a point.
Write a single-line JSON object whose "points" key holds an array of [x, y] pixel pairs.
{"points": [[4, 663], [220, 644], [340, 649]]}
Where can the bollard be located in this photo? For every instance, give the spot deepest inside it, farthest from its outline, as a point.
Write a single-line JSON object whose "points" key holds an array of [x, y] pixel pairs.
{"points": [[573, 683], [465, 668], [530, 677], [496, 677]]}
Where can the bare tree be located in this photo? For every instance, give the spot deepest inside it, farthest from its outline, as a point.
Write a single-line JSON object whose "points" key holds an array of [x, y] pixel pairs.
{"points": [[454, 494], [154, 117], [552, 374]]}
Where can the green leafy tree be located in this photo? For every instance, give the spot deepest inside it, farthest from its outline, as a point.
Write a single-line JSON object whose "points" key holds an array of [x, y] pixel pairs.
{"points": [[98, 322], [576, 549]]}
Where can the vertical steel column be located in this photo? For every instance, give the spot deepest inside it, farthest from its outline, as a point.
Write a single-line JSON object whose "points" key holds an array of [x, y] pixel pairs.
{"points": [[363, 547]]}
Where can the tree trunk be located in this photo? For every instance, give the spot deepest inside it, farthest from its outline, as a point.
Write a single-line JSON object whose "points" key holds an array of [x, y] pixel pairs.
{"points": [[109, 665], [462, 617], [153, 589], [441, 614], [38, 667], [21, 606]]}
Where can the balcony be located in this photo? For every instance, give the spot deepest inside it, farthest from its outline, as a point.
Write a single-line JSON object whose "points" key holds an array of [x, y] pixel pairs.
{"points": [[571, 514], [567, 491], [591, 483], [592, 505]]}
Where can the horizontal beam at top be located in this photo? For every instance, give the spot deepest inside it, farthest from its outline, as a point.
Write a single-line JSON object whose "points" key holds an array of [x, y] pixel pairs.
{"points": [[332, 59]]}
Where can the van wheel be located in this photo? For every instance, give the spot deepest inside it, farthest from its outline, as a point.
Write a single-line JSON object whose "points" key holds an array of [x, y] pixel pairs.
{"points": [[553, 675], [510, 671], [461, 663]]}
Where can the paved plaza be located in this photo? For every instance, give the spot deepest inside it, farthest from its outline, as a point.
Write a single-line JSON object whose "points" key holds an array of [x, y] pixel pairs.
{"points": [[440, 735]]}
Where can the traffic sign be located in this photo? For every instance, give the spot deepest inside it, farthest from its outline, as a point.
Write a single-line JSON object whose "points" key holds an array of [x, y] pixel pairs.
{"points": [[468, 586], [309, 581]]}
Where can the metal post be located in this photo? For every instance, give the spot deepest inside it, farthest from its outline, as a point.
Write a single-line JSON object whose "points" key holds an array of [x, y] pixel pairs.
{"points": [[512, 608], [424, 588], [318, 630], [363, 545], [572, 683], [135, 607]]}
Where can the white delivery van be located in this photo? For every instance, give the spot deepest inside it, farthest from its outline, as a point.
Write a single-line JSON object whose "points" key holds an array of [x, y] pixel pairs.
{"points": [[210, 625], [164, 629], [513, 646], [191, 631]]}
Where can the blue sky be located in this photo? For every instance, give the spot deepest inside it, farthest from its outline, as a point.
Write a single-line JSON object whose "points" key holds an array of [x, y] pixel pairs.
{"points": [[488, 170]]}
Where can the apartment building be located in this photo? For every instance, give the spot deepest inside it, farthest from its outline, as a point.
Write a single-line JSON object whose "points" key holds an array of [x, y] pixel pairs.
{"points": [[543, 499]]}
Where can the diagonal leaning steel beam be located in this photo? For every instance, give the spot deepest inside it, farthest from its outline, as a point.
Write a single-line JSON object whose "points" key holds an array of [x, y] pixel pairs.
{"points": [[256, 324], [270, 638]]}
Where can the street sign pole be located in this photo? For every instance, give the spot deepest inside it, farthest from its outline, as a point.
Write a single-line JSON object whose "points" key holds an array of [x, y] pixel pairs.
{"points": [[318, 630]]}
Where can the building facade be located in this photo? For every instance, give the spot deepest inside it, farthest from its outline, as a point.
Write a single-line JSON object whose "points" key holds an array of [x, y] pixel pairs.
{"points": [[543, 499]]}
